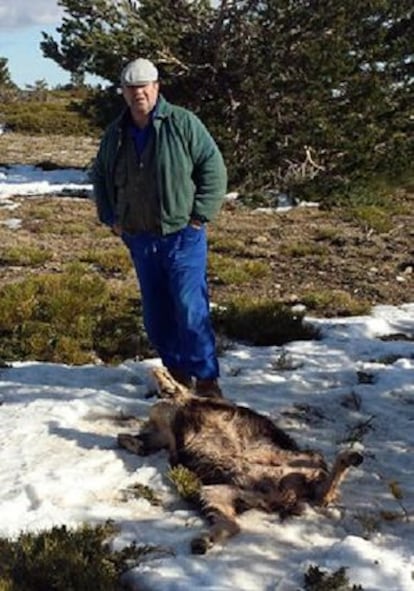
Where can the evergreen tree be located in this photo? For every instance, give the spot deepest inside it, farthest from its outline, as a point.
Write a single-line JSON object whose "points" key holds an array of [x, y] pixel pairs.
{"points": [[5, 78], [294, 90], [339, 76], [8, 90], [100, 36]]}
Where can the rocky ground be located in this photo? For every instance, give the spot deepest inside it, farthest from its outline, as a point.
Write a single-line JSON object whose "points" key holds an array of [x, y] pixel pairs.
{"points": [[333, 261]]}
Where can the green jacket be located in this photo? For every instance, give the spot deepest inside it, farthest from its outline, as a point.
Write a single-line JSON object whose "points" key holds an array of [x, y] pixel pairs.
{"points": [[191, 174]]}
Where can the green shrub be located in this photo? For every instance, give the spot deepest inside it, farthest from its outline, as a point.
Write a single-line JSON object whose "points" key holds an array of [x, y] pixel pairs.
{"points": [[119, 331], [63, 560], [224, 270], [186, 482], [45, 118], [405, 180], [341, 302], [254, 199], [377, 192], [261, 323], [303, 249], [370, 217], [69, 318], [141, 491], [41, 225], [72, 228], [329, 234], [319, 580], [110, 260], [24, 256], [229, 244]]}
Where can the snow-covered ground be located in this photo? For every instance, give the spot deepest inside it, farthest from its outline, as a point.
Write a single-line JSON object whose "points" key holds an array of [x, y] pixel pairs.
{"points": [[60, 463], [25, 179], [18, 180]]}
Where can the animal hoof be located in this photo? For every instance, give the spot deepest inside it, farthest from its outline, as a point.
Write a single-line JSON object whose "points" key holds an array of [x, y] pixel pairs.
{"points": [[199, 545], [355, 458], [129, 442]]}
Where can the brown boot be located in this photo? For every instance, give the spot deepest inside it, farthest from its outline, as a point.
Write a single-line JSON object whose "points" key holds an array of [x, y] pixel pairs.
{"points": [[208, 389], [181, 377]]}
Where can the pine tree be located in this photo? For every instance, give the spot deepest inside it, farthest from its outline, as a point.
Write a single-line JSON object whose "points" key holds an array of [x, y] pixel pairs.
{"points": [[331, 84], [5, 78], [297, 92]]}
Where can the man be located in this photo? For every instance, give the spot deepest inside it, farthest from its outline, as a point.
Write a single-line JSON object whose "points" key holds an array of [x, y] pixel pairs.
{"points": [[158, 179]]}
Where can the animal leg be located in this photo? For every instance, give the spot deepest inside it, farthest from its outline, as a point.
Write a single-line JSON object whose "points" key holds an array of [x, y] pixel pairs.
{"points": [[144, 443], [168, 387], [154, 435], [327, 491], [218, 502]]}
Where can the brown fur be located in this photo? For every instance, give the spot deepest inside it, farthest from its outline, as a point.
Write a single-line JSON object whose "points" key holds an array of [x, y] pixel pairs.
{"points": [[242, 459]]}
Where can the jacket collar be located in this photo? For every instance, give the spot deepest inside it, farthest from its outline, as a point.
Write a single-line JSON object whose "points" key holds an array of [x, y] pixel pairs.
{"points": [[163, 108]]}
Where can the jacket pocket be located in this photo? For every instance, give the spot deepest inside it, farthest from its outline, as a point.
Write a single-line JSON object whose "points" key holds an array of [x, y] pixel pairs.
{"points": [[120, 176]]}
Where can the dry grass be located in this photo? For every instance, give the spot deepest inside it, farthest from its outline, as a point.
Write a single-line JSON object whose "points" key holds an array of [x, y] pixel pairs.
{"points": [[305, 255], [65, 151]]}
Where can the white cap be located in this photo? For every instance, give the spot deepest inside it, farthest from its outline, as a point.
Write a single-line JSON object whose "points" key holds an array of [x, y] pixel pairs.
{"points": [[138, 73]]}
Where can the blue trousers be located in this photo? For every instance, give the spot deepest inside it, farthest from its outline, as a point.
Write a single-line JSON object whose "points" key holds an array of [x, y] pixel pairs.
{"points": [[171, 272]]}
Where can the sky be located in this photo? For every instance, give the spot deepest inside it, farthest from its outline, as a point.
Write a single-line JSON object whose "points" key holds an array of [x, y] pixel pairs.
{"points": [[352, 388], [21, 24]]}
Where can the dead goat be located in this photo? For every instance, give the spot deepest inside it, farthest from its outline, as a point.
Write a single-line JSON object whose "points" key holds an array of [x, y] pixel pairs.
{"points": [[242, 459]]}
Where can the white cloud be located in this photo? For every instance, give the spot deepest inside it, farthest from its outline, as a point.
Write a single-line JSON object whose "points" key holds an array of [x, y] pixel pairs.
{"points": [[23, 13]]}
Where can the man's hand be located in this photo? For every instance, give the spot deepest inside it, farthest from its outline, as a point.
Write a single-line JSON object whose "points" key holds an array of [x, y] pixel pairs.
{"points": [[195, 223], [116, 229]]}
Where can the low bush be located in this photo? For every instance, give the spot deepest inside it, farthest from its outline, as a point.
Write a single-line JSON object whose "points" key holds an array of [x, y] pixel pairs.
{"points": [[141, 491], [320, 580], [230, 245], [328, 234], [370, 217], [25, 255], [109, 261], [342, 302], [186, 483], [69, 318], [62, 559], [45, 118], [299, 249], [378, 192], [119, 330], [74, 317], [222, 269], [261, 323]]}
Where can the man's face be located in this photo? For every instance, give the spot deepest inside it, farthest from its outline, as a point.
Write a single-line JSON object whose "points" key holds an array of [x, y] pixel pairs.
{"points": [[141, 99]]}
